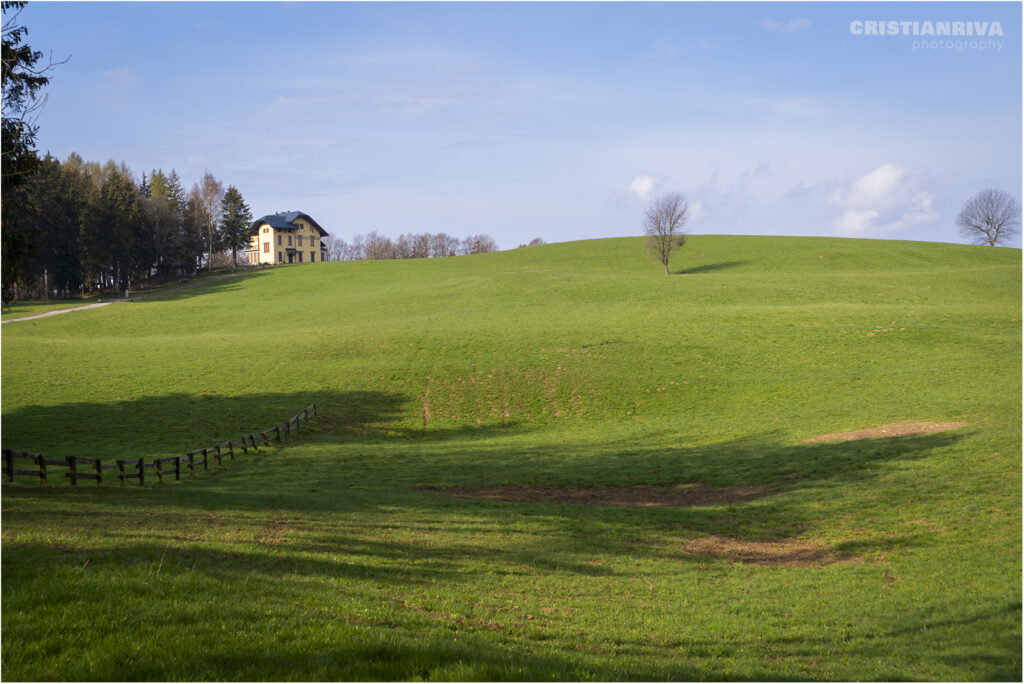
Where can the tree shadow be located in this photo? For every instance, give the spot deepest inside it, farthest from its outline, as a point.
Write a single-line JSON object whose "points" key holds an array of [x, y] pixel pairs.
{"points": [[197, 287], [371, 444], [712, 268], [328, 514], [178, 423]]}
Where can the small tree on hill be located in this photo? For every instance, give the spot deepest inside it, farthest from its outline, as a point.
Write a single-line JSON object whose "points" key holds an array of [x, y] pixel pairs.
{"points": [[664, 219], [989, 218]]}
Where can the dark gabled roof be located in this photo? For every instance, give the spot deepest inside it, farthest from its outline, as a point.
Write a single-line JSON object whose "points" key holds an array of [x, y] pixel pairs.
{"points": [[284, 221]]}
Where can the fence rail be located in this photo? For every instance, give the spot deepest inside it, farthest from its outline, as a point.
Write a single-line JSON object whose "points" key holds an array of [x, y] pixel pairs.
{"points": [[80, 468]]}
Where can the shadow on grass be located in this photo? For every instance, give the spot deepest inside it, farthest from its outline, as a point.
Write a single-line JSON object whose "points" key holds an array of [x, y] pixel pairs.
{"points": [[345, 508], [362, 456], [202, 285], [713, 268], [373, 446], [177, 423]]}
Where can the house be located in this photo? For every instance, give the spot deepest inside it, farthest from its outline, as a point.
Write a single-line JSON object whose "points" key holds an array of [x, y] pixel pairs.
{"points": [[286, 238]]}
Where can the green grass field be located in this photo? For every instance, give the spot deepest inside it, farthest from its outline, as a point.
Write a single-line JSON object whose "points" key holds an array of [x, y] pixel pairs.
{"points": [[482, 495]]}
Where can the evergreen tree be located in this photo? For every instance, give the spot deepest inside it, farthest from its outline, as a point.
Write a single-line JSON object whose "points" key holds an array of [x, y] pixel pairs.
{"points": [[130, 244], [91, 239], [163, 209], [189, 242], [54, 222], [22, 80], [116, 243], [236, 218]]}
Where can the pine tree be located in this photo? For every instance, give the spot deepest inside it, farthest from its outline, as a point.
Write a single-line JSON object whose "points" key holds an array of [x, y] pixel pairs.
{"points": [[53, 222], [189, 243], [236, 218], [22, 82]]}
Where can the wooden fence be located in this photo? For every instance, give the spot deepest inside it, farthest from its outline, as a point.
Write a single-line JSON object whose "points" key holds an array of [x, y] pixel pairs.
{"points": [[78, 468]]}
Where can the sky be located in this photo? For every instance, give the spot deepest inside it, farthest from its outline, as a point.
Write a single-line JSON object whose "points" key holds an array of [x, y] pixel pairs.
{"points": [[553, 120]]}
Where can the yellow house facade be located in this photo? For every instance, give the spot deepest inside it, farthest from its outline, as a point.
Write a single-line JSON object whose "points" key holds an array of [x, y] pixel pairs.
{"points": [[286, 238]]}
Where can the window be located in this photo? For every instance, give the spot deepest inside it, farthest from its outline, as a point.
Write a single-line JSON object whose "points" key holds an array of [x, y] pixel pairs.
{"points": [[300, 241], [300, 256], [266, 248], [265, 229], [279, 259], [278, 240], [289, 240], [312, 256]]}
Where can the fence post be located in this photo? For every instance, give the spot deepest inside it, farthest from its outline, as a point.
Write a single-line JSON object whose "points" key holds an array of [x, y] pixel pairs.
{"points": [[217, 454], [314, 409], [252, 438], [99, 473], [206, 460], [278, 428], [72, 469], [142, 472], [42, 468], [191, 464], [9, 464], [159, 470], [231, 449], [120, 471], [177, 468]]}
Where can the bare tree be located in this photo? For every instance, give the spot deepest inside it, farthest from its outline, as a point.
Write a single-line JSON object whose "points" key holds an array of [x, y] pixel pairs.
{"points": [[377, 246], [478, 244], [664, 219], [420, 246], [402, 247], [336, 248], [443, 245], [210, 192], [990, 217], [357, 250]]}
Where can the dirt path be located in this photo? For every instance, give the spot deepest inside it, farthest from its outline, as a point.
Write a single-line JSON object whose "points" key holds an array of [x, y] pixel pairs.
{"points": [[143, 295], [54, 313]]}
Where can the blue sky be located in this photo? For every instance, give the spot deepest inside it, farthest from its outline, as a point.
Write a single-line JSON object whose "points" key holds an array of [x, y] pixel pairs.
{"points": [[551, 120]]}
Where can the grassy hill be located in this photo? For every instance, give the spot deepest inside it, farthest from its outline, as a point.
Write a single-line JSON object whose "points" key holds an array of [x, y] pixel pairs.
{"points": [[484, 496]]}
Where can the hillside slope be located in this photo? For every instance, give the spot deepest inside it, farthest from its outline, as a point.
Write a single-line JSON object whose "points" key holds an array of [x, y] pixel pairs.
{"points": [[752, 334], [548, 463]]}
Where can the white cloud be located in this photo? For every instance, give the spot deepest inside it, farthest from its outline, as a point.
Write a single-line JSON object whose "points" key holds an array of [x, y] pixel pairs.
{"points": [[696, 211], [642, 187], [855, 222], [790, 26], [880, 187], [886, 200]]}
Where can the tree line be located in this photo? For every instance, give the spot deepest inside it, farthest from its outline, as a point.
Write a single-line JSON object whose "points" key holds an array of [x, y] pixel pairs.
{"points": [[77, 226], [372, 245]]}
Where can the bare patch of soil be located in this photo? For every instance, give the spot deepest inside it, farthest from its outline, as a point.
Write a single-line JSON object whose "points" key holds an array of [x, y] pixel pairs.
{"points": [[683, 495], [787, 552], [891, 430]]}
